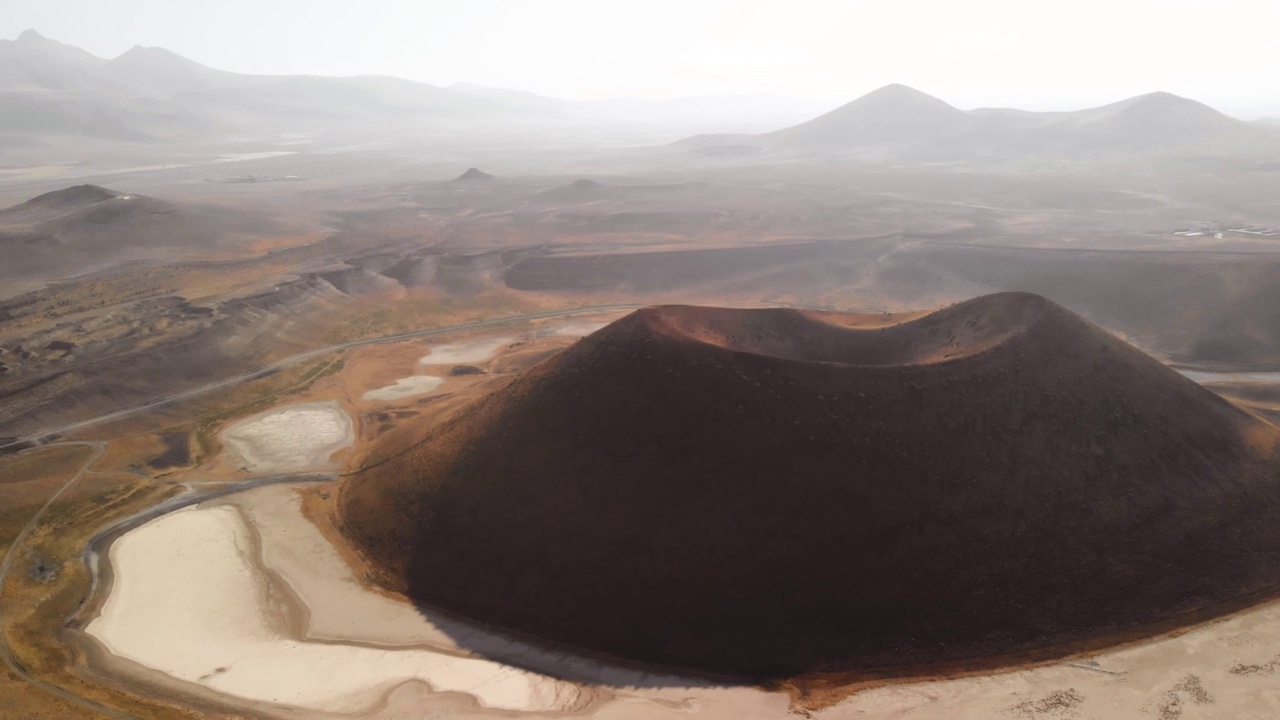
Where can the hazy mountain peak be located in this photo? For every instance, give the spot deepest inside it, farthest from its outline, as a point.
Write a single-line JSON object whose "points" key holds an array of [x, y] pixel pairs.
{"points": [[34, 62], [159, 58], [158, 69], [899, 94], [1161, 109], [30, 41], [1159, 95], [474, 174], [899, 90], [140, 52], [891, 115], [1160, 98], [33, 44]]}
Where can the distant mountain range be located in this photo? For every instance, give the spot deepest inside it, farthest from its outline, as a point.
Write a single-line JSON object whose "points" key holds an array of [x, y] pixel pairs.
{"points": [[49, 88], [899, 122]]}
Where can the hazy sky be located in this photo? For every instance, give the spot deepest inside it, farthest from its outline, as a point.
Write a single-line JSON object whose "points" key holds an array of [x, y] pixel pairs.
{"points": [[1038, 54]]}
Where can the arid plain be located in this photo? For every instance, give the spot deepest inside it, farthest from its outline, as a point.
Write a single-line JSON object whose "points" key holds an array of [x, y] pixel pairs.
{"points": [[200, 342]]}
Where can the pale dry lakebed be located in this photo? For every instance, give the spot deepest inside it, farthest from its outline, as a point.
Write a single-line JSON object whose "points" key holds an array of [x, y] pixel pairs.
{"points": [[293, 438], [243, 601], [244, 597]]}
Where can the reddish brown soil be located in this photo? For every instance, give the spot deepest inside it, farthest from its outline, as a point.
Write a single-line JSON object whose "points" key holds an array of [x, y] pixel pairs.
{"points": [[768, 493]]}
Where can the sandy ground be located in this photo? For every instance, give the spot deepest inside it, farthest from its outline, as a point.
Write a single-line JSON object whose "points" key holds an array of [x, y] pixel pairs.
{"points": [[580, 329], [190, 580], [285, 628], [472, 351], [339, 608], [405, 387], [1223, 670], [1202, 377], [282, 621], [290, 439]]}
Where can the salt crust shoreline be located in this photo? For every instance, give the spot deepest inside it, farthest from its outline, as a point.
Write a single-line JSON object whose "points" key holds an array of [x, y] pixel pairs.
{"points": [[282, 623]]}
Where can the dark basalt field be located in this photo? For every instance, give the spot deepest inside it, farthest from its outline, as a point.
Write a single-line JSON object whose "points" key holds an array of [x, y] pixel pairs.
{"points": [[770, 493]]}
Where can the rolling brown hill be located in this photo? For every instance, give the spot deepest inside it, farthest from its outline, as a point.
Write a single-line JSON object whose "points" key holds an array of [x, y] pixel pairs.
{"points": [[57, 203], [65, 232], [772, 493]]}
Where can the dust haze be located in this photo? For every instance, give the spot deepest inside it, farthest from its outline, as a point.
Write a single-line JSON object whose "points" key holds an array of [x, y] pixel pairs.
{"points": [[756, 361]]}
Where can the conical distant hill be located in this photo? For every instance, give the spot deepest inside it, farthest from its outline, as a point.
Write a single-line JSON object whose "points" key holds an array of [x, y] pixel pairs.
{"points": [[899, 122], [474, 174], [65, 199], [68, 231], [892, 115], [1149, 121], [771, 493]]}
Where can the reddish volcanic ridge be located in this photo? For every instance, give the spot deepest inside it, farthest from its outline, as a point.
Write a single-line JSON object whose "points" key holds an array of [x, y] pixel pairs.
{"points": [[771, 493]]}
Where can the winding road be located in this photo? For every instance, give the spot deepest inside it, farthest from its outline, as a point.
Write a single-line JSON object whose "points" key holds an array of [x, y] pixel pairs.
{"points": [[6, 564], [47, 433]]}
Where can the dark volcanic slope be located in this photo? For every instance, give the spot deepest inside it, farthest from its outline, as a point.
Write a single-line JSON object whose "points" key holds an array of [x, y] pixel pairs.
{"points": [[771, 492]]}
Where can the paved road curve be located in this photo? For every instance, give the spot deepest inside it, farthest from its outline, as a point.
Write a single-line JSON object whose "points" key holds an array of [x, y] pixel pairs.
{"points": [[6, 564]]}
